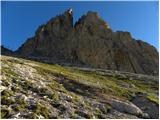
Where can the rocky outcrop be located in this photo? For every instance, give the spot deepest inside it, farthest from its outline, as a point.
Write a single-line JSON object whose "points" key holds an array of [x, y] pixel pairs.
{"points": [[90, 42], [5, 51]]}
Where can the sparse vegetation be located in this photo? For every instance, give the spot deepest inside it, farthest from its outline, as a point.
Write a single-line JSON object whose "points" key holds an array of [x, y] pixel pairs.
{"points": [[5, 83], [6, 100], [5, 113], [21, 103], [26, 85], [41, 110], [153, 98], [67, 90], [6, 93]]}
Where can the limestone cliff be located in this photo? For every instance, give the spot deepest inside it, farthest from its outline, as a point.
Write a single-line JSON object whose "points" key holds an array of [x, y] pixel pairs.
{"points": [[90, 42]]}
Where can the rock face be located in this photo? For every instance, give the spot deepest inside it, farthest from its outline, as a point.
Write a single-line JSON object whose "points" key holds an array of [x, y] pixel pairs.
{"points": [[50, 39], [90, 42]]}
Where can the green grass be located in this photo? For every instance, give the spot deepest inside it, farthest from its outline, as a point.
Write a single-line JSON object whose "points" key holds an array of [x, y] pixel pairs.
{"points": [[6, 93], [21, 104], [9, 73], [5, 83], [39, 109], [88, 78], [153, 98], [5, 113], [108, 83]]}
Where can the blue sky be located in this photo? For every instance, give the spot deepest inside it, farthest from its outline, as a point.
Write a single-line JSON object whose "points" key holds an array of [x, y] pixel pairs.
{"points": [[21, 19]]}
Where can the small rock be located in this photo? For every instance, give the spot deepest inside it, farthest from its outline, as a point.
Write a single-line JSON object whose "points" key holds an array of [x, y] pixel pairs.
{"points": [[16, 116], [2, 88], [66, 97], [145, 116]]}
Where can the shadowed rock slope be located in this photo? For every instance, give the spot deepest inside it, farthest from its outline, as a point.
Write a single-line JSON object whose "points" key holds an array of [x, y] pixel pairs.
{"points": [[90, 42], [32, 89], [5, 51]]}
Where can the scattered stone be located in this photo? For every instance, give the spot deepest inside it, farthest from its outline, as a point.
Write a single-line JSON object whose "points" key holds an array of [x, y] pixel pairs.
{"points": [[65, 97], [2, 88], [61, 102]]}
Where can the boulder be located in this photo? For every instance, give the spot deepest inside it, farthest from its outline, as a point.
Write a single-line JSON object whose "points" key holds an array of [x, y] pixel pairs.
{"points": [[126, 107]]}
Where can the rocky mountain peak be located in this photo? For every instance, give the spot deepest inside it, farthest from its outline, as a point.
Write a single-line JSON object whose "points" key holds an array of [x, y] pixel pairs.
{"points": [[92, 14], [92, 18], [61, 20], [69, 11], [68, 14], [90, 42]]}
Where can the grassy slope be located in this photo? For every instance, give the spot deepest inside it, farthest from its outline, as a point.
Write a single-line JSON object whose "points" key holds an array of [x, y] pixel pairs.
{"points": [[75, 83], [110, 85]]}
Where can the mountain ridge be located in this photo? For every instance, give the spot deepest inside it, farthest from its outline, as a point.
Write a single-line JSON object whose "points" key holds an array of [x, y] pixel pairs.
{"points": [[91, 42]]}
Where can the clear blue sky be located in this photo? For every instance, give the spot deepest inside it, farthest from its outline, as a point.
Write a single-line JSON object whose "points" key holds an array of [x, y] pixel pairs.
{"points": [[21, 19]]}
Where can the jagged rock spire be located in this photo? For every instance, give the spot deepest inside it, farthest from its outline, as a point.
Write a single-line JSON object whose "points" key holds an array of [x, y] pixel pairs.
{"points": [[70, 11], [91, 42], [92, 18]]}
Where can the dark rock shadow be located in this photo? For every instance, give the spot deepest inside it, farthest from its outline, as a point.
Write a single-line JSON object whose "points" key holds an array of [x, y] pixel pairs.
{"points": [[147, 106], [78, 88]]}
